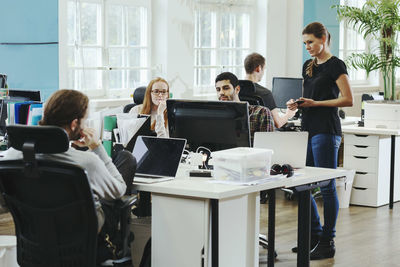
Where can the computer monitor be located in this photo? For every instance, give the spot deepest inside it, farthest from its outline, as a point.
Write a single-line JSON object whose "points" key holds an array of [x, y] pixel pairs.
{"points": [[284, 89], [23, 95], [216, 125]]}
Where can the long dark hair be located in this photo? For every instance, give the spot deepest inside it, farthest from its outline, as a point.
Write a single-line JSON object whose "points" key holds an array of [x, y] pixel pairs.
{"points": [[318, 30]]}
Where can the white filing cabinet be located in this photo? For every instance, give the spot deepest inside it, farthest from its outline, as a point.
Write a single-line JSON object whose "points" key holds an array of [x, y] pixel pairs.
{"points": [[369, 155]]}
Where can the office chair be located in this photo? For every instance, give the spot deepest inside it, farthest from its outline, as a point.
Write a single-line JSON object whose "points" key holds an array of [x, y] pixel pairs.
{"points": [[50, 200], [248, 93], [138, 97]]}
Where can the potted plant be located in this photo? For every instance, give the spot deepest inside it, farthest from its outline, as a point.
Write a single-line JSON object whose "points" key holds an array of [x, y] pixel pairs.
{"points": [[378, 20]]}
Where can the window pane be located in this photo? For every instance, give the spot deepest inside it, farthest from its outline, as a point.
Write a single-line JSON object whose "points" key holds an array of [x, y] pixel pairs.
{"points": [[91, 57], [137, 78], [137, 57], [226, 57], [205, 57], [204, 35], [137, 30], [71, 23], [71, 79], [115, 24], [116, 57], [90, 30], [116, 79], [225, 30], [71, 56], [89, 79]]}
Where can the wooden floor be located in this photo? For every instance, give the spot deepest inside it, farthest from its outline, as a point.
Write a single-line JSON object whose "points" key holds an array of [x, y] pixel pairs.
{"points": [[365, 236]]}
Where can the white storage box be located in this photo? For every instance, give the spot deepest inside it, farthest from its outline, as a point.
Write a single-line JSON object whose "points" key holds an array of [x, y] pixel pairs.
{"points": [[382, 114], [242, 164]]}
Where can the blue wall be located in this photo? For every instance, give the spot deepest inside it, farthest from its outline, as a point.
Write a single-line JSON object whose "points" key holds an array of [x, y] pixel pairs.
{"points": [[30, 66], [321, 11]]}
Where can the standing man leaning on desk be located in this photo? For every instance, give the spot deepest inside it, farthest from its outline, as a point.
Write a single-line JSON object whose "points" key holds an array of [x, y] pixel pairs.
{"points": [[325, 77], [254, 65], [68, 109], [227, 86]]}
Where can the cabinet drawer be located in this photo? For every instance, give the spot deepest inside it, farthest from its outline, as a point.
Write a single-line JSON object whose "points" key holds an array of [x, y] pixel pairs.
{"points": [[361, 164], [360, 139], [361, 150], [365, 197], [365, 180]]}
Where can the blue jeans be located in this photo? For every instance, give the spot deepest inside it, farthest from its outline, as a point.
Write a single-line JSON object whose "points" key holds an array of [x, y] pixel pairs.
{"points": [[322, 151]]}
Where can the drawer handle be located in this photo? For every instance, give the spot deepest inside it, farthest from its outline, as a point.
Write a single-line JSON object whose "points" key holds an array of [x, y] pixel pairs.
{"points": [[360, 146], [361, 135], [362, 173], [359, 157], [359, 188]]}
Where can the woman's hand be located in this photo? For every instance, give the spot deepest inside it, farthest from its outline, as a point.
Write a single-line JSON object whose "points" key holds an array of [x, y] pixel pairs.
{"points": [[161, 107], [88, 138], [303, 102]]}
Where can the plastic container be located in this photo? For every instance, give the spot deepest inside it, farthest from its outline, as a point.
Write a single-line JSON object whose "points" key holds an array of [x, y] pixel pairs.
{"points": [[343, 189], [242, 164], [8, 251]]}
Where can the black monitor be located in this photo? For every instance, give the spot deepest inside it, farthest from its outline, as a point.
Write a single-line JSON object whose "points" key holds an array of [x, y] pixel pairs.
{"points": [[23, 95], [284, 89], [216, 125]]}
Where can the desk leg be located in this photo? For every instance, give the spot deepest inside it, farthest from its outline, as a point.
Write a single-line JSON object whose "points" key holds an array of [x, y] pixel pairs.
{"points": [[271, 227], [392, 157], [304, 229], [214, 232]]}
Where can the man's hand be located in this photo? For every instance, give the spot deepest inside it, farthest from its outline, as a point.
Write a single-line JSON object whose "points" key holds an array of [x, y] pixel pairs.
{"points": [[89, 138]]}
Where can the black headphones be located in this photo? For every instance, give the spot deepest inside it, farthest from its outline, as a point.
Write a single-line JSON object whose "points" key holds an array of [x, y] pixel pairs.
{"points": [[285, 169]]}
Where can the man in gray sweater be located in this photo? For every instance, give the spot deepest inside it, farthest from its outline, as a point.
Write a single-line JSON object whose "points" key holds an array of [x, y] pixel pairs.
{"points": [[68, 109]]}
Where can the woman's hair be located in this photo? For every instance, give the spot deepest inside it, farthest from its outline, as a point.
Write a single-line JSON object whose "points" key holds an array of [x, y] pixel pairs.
{"points": [[318, 30], [63, 107], [148, 103]]}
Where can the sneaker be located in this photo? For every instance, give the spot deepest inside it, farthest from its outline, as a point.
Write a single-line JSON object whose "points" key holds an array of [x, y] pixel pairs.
{"points": [[324, 250], [313, 243]]}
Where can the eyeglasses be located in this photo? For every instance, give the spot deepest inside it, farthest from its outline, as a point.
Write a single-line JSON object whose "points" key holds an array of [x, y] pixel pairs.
{"points": [[157, 92]]}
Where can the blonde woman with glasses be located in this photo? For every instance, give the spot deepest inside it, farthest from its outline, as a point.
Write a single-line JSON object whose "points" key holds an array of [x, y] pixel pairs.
{"points": [[155, 104]]}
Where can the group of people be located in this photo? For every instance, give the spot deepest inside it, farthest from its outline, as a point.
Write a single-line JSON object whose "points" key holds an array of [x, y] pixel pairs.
{"points": [[325, 76]]}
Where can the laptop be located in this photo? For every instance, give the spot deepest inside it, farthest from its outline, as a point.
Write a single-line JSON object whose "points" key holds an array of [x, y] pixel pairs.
{"points": [[289, 147], [157, 158]]}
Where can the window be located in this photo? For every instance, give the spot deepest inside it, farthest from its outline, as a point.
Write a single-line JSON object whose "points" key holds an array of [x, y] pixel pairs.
{"points": [[353, 42], [222, 41], [107, 46]]}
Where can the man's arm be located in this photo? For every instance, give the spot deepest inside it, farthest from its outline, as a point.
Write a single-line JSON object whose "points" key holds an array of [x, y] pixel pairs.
{"points": [[266, 120], [280, 121]]}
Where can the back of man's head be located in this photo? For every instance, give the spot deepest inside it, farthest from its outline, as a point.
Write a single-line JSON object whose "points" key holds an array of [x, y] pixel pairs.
{"points": [[252, 61], [228, 76], [63, 107]]}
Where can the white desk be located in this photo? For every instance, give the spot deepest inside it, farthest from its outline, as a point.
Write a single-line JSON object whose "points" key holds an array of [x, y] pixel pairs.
{"points": [[394, 134], [196, 222]]}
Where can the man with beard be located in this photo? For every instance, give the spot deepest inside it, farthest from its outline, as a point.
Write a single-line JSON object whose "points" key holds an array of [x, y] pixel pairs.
{"points": [[68, 109], [227, 86]]}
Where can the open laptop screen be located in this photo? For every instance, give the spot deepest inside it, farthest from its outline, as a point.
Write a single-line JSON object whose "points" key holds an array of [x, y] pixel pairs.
{"points": [[158, 156]]}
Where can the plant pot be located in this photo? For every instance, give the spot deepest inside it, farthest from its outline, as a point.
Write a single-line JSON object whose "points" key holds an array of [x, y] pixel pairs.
{"points": [[382, 114]]}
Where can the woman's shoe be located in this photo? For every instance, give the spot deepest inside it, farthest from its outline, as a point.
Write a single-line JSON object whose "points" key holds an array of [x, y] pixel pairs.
{"points": [[324, 250], [313, 243]]}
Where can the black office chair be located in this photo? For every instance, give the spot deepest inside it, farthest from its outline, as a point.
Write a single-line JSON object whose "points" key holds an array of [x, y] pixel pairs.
{"points": [[50, 200], [138, 97], [248, 93]]}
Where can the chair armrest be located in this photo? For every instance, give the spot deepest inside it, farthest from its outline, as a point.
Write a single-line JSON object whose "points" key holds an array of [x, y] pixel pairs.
{"points": [[121, 203]]}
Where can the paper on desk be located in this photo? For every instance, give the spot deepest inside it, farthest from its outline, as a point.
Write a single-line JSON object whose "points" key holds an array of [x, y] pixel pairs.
{"points": [[128, 125]]}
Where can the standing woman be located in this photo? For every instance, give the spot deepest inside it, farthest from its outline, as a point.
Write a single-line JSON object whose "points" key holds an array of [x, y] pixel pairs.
{"points": [[325, 76], [155, 104]]}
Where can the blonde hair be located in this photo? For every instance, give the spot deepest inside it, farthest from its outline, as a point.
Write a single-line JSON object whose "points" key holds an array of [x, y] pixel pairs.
{"points": [[148, 103], [318, 30]]}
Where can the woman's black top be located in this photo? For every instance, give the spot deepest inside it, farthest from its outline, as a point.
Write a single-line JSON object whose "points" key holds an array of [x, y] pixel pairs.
{"points": [[322, 86]]}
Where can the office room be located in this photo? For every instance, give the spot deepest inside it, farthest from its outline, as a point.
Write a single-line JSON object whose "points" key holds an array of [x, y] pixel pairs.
{"points": [[199, 64]]}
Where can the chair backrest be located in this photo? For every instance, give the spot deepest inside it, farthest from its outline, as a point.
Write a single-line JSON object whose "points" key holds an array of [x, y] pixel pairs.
{"points": [[50, 200], [248, 93], [138, 95], [138, 98]]}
